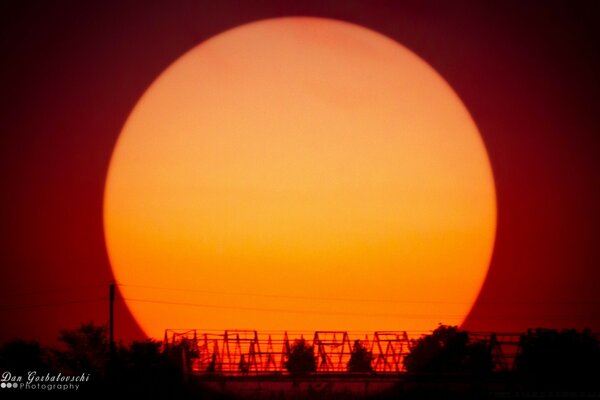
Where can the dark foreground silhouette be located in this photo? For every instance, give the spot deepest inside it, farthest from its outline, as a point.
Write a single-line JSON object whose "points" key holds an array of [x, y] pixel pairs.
{"points": [[139, 368], [445, 364]]}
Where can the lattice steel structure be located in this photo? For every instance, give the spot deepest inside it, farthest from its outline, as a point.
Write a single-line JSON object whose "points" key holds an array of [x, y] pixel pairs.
{"points": [[389, 349], [246, 352]]}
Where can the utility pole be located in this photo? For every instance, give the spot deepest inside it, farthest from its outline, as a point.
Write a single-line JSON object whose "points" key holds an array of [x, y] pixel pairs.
{"points": [[111, 317]]}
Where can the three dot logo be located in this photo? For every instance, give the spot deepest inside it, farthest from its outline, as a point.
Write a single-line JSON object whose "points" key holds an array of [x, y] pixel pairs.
{"points": [[9, 385]]}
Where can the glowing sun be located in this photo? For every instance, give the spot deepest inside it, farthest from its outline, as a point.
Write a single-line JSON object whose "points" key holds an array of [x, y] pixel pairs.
{"points": [[299, 174]]}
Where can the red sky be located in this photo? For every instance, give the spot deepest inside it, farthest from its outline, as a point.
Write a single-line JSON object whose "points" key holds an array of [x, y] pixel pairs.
{"points": [[72, 72]]}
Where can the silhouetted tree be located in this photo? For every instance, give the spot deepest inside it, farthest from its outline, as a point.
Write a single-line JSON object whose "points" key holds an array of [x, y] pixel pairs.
{"points": [[551, 358], [360, 359], [87, 350], [20, 356], [142, 368], [301, 359], [447, 350], [479, 359]]}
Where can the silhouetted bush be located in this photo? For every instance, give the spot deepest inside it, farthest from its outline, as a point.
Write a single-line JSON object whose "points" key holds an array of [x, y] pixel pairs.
{"points": [[87, 350], [360, 359], [447, 350], [139, 368], [142, 368], [301, 359], [20, 356], [551, 358]]}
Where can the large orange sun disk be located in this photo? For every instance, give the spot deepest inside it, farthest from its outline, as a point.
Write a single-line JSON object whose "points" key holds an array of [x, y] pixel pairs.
{"points": [[299, 174]]}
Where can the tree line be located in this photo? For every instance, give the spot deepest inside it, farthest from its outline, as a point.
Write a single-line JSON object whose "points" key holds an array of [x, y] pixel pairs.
{"points": [[544, 355], [139, 367], [547, 359]]}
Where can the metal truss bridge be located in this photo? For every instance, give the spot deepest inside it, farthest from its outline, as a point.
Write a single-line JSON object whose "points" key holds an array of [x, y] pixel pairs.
{"points": [[248, 352]]}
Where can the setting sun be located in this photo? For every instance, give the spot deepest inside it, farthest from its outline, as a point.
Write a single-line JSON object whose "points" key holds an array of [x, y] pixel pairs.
{"points": [[299, 174]]}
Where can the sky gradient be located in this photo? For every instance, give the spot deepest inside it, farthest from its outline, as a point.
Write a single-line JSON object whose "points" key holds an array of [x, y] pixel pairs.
{"points": [[73, 72]]}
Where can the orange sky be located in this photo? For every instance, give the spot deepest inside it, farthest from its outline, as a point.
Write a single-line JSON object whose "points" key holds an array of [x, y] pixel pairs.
{"points": [[299, 174]]}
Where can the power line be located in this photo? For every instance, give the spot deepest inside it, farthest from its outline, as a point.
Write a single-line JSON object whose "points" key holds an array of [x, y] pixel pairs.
{"points": [[345, 299], [278, 310], [343, 313], [277, 296], [294, 297]]}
